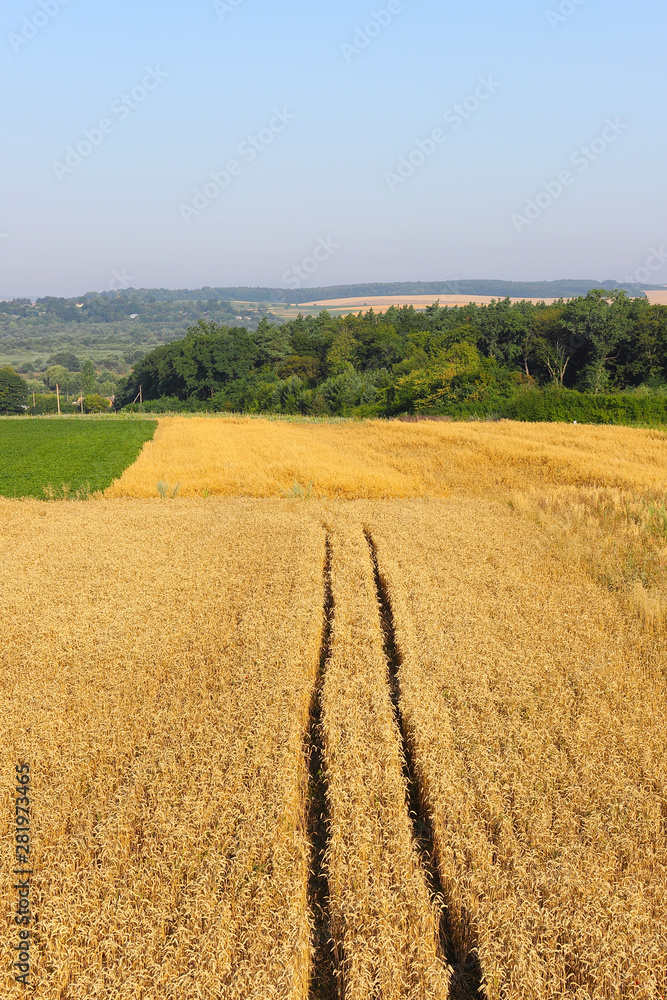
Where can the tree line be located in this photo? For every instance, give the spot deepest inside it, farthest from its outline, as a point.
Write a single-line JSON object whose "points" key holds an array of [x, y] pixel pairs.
{"points": [[442, 360]]}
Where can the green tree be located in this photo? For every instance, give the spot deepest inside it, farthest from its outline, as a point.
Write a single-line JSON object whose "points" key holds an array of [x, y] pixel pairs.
{"points": [[599, 321], [306, 368], [95, 403], [57, 375], [88, 378], [342, 353], [13, 392], [67, 359]]}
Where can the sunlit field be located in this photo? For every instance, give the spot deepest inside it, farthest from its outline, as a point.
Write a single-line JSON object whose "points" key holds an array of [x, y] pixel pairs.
{"points": [[237, 456], [360, 709]]}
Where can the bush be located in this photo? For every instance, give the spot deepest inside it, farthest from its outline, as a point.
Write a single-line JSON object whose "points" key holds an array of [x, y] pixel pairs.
{"points": [[460, 379], [46, 403], [95, 403], [165, 404], [568, 405]]}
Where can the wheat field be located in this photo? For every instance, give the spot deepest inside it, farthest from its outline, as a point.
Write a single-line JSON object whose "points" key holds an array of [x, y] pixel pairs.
{"points": [[157, 677], [232, 456], [538, 719], [398, 735]]}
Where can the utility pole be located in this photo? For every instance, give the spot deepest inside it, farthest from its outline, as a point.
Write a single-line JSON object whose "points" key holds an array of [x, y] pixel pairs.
{"points": [[81, 402], [58, 397], [141, 398]]}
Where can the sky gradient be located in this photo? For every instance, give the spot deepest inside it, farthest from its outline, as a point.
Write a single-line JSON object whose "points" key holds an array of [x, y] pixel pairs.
{"points": [[164, 144]]}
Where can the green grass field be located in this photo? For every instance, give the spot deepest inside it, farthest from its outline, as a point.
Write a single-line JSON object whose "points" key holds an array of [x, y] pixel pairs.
{"points": [[51, 457]]}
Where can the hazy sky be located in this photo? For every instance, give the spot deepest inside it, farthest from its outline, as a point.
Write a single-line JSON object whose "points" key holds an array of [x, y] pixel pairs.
{"points": [[405, 140]]}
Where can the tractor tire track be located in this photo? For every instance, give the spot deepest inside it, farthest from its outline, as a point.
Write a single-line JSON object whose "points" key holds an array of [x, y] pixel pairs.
{"points": [[466, 980], [324, 982]]}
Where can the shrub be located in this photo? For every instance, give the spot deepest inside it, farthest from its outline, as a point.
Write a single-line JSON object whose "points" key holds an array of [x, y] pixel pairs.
{"points": [[95, 403], [569, 405]]}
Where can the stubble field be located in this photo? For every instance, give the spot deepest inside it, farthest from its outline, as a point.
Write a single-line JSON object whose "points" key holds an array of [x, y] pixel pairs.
{"points": [[402, 739]]}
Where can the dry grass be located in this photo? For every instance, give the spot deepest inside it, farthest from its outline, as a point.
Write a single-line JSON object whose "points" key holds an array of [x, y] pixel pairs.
{"points": [[156, 671], [619, 537], [382, 919], [538, 715], [231, 456]]}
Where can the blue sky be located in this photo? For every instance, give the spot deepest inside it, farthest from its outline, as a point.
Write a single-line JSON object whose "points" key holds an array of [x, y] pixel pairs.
{"points": [[116, 114]]}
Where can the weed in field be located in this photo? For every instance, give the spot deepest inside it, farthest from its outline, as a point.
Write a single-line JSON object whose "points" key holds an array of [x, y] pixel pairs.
{"points": [[298, 492], [66, 492], [166, 491]]}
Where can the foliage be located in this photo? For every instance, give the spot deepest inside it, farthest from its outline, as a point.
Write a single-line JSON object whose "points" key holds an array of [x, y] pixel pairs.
{"points": [[95, 403], [471, 359], [587, 408], [47, 403], [67, 359], [13, 392], [36, 455], [88, 378]]}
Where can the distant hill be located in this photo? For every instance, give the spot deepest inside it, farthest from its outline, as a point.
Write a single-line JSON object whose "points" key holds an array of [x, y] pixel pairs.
{"points": [[567, 288]]}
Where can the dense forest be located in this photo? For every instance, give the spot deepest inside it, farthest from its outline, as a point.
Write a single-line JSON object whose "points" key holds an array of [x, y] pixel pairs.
{"points": [[602, 356]]}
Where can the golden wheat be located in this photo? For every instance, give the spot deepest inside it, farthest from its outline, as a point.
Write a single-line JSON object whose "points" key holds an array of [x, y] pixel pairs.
{"points": [[232, 456], [157, 668], [538, 717], [382, 920]]}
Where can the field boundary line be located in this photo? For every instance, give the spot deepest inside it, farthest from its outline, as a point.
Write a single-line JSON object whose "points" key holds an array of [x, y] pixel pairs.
{"points": [[466, 979]]}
